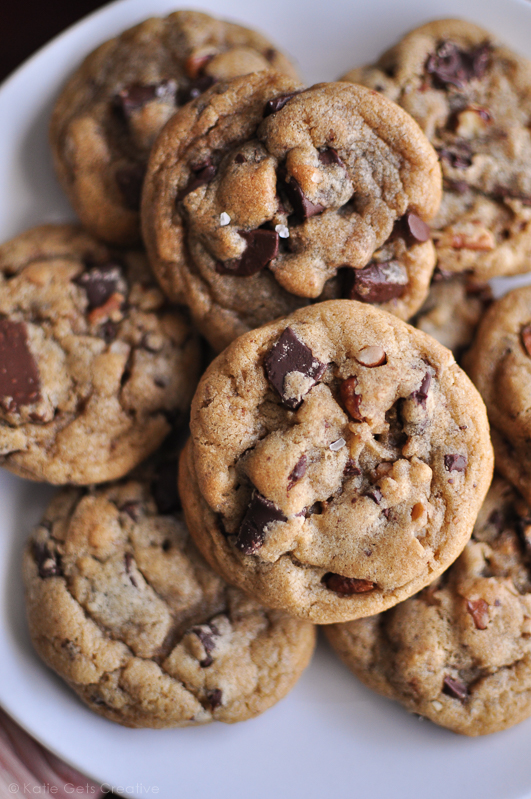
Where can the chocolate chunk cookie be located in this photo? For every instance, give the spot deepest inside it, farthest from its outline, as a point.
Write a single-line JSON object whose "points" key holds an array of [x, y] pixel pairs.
{"points": [[124, 608], [93, 362], [337, 463], [261, 197], [460, 651], [499, 363], [112, 108], [471, 95]]}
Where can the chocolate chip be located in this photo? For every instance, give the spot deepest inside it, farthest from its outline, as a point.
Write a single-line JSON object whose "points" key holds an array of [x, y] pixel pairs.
{"points": [[450, 65], [201, 177], [194, 88], [48, 562], [350, 399], [351, 469], [526, 339], [207, 634], [214, 698], [455, 463], [375, 494], [100, 283], [418, 229], [459, 156], [376, 282], [455, 689], [260, 513], [128, 560], [299, 470], [479, 610], [130, 180], [420, 396], [240, 159], [132, 509], [164, 487], [346, 586], [19, 376], [108, 331], [262, 247], [303, 208], [274, 105], [329, 156], [289, 355], [136, 95]]}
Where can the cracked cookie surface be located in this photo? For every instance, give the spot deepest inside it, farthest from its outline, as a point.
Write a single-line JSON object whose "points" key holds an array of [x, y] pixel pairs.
{"points": [[337, 462], [93, 361], [262, 196], [112, 108], [459, 652], [124, 608], [471, 95]]}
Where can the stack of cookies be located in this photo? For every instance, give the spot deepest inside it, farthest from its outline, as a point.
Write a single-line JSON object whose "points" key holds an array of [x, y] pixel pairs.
{"points": [[339, 458]]}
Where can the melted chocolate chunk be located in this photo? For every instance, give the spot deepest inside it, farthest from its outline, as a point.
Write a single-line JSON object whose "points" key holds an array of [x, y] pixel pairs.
{"points": [[19, 376], [214, 698], [108, 331], [260, 513], [194, 88], [288, 355], [479, 610], [420, 396], [455, 689], [132, 509], [100, 283], [351, 469], [298, 472], [450, 65], [274, 105], [130, 180], [207, 634], [240, 159], [330, 156], [375, 494], [303, 208], [202, 175], [48, 562], [164, 488], [455, 463], [376, 282], [262, 247], [502, 192], [136, 95], [346, 586], [459, 156]]}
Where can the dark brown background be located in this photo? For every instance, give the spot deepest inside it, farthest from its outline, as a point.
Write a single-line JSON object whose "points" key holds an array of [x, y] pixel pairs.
{"points": [[25, 25]]}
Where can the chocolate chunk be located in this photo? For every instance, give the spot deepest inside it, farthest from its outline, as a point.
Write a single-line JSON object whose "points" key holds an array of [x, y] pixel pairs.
{"points": [[260, 513], [376, 282], [455, 688], [420, 396], [130, 180], [262, 247], [417, 228], [194, 88], [351, 469], [346, 586], [19, 376], [375, 494], [207, 634], [350, 399], [479, 610], [455, 463], [164, 488], [303, 208], [48, 562], [330, 156], [502, 192], [451, 65], [214, 698], [201, 176], [299, 470], [136, 95], [100, 283], [240, 159], [459, 156], [274, 105], [288, 355], [132, 509]]}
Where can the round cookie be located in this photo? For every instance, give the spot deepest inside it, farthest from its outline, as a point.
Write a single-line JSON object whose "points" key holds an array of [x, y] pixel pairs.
{"points": [[499, 363], [459, 652], [471, 96], [112, 108], [123, 607], [93, 361], [337, 462], [453, 310], [261, 197]]}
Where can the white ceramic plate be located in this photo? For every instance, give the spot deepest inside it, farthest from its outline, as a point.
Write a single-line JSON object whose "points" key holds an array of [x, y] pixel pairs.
{"points": [[331, 737]]}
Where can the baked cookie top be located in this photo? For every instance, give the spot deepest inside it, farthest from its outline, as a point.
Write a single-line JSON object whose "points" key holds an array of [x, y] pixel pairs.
{"points": [[123, 607], [460, 651], [93, 361], [337, 463], [112, 108], [259, 192], [471, 96]]}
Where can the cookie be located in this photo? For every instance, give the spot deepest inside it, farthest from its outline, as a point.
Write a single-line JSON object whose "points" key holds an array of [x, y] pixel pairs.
{"points": [[499, 363], [123, 607], [261, 197], [110, 111], [459, 652], [471, 96], [94, 364], [337, 462], [453, 310]]}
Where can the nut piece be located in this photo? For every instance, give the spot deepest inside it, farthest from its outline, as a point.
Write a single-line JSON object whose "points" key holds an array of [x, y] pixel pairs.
{"points": [[526, 339], [371, 356], [350, 399]]}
